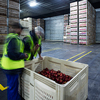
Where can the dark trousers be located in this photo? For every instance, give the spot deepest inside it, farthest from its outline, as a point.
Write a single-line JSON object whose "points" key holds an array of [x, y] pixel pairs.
{"points": [[12, 83]]}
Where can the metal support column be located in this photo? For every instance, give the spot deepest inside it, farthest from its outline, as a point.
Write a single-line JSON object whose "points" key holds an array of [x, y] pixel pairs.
{"points": [[19, 11]]}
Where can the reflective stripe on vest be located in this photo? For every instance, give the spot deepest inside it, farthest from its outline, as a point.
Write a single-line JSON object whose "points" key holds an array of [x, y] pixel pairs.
{"points": [[6, 62], [31, 47], [39, 42]]}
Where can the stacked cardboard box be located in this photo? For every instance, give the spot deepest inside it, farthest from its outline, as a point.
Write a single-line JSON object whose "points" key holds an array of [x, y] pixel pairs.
{"points": [[86, 23], [30, 23], [3, 20], [82, 22], [65, 27], [13, 17], [34, 23], [13, 13], [73, 22], [40, 22], [2, 38], [37, 22], [68, 34], [91, 23], [27, 23]]}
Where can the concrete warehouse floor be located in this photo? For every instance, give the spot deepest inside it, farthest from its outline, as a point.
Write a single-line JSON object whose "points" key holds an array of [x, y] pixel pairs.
{"points": [[84, 54]]}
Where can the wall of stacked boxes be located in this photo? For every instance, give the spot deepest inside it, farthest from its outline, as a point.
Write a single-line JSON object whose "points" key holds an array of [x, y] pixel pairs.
{"points": [[9, 13], [82, 23], [3, 20], [13, 13]]}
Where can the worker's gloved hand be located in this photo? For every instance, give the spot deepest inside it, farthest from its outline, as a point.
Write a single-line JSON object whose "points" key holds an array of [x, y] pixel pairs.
{"points": [[26, 56], [36, 47], [41, 58]]}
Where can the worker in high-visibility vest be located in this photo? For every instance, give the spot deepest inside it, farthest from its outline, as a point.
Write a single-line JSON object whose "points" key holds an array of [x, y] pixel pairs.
{"points": [[13, 60], [32, 43]]}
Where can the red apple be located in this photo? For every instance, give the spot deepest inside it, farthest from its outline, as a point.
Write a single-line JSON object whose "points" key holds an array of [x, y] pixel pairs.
{"points": [[47, 72], [60, 81], [61, 74]]}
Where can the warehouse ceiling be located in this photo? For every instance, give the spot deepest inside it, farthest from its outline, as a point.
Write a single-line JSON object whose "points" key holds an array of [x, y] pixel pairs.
{"points": [[49, 8]]}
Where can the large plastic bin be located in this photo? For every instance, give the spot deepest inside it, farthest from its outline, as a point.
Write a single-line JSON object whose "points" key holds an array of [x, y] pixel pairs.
{"points": [[39, 87]]}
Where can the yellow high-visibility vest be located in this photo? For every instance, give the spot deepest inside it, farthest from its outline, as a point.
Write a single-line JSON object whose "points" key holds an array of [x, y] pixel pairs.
{"points": [[6, 62], [31, 46]]}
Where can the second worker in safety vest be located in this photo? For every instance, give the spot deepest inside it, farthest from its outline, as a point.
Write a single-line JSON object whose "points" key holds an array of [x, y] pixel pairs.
{"points": [[32, 43]]}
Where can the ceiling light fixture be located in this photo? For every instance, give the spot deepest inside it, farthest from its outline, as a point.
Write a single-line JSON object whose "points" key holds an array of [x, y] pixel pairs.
{"points": [[20, 10], [33, 3]]}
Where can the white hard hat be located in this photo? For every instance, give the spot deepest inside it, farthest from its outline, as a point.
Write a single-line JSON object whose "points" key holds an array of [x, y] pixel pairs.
{"points": [[39, 30]]}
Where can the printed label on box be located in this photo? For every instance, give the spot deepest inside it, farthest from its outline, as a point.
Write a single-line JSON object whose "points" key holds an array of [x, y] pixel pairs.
{"points": [[73, 33], [73, 17], [73, 8], [73, 37], [82, 29], [68, 40], [73, 12], [82, 11], [73, 21], [82, 15], [82, 24], [82, 37], [44, 92], [82, 33], [82, 7], [82, 20], [83, 2], [73, 29], [73, 4]]}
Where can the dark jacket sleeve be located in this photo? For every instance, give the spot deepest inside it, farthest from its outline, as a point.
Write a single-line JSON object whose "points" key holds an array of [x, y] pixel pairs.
{"points": [[40, 50], [26, 42], [35, 40], [33, 35], [13, 50]]}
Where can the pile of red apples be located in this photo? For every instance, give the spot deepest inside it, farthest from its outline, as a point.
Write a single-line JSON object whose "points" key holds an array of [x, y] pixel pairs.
{"points": [[56, 76]]}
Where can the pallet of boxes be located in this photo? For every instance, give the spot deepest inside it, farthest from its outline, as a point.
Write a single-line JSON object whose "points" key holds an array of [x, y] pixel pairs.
{"points": [[65, 28], [68, 34], [82, 22], [13, 13], [54, 79], [87, 18], [3, 23], [11, 16], [2, 39], [34, 23], [73, 22]]}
